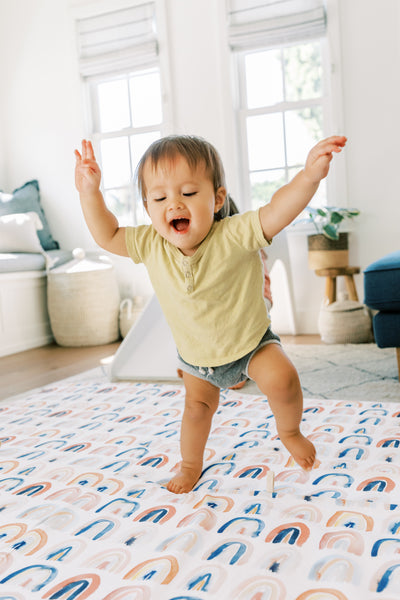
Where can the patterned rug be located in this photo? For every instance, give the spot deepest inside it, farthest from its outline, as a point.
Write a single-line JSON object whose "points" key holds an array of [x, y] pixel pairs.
{"points": [[344, 371], [84, 514]]}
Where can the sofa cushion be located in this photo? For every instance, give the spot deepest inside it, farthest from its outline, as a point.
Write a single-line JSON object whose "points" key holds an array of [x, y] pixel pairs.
{"points": [[19, 233], [387, 329], [382, 283], [27, 199], [16, 262]]}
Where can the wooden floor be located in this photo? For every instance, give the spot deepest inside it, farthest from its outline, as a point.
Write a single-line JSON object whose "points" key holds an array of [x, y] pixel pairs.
{"points": [[34, 368]]}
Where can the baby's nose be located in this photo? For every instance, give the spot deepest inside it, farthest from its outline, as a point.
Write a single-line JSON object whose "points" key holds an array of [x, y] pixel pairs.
{"points": [[176, 202]]}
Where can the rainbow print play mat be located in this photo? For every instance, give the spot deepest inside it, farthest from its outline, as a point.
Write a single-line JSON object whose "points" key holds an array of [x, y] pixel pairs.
{"points": [[84, 513]]}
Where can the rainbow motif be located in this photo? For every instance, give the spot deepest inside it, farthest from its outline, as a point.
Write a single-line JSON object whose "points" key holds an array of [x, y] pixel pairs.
{"points": [[387, 578], [8, 465], [203, 517], [220, 503], [336, 568], [232, 551], [187, 541], [82, 586], [381, 484], [112, 561], [342, 479], [352, 520], [120, 506], [289, 533], [253, 471], [305, 512], [244, 526], [385, 546], [347, 541], [101, 528], [209, 579], [259, 587], [161, 570], [322, 594], [66, 551], [33, 577], [157, 514]]}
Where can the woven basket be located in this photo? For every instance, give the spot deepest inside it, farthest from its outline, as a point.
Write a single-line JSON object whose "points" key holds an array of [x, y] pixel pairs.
{"points": [[83, 302], [345, 322]]}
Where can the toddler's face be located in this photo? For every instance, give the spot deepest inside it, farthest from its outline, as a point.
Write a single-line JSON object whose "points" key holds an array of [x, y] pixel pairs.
{"points": [[181, 202]]}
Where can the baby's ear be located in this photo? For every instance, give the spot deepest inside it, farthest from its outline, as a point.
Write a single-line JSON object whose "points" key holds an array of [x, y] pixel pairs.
{"points": [[219, 198]]}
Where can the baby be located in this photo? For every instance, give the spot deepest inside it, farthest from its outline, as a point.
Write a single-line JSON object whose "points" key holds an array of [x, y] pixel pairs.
{"points": [[193, 254]]}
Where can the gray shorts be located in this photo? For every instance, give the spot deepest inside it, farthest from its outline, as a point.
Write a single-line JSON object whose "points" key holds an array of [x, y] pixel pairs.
{"points": [[231, 373]]}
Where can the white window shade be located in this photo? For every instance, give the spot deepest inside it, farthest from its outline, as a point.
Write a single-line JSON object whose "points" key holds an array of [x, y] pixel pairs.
{"points": [[255, 24], [117, 40]]}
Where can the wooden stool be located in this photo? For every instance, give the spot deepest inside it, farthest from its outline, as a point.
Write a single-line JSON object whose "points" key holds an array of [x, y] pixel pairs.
{"points": [[330, 284]]}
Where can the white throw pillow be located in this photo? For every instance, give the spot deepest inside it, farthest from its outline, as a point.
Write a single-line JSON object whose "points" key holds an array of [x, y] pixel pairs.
{"points": [[18, 233]]}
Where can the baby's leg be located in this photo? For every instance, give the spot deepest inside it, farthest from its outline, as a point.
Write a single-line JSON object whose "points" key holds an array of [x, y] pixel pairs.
{"points": [[277, 378], [201, 402]]}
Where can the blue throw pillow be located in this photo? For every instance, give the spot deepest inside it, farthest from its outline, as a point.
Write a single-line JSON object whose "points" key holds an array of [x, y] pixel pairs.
{"points": [[26, 199]]}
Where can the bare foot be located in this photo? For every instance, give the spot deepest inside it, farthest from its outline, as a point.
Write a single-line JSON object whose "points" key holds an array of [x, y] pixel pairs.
{"points": [[301, 449], [184, 480]]}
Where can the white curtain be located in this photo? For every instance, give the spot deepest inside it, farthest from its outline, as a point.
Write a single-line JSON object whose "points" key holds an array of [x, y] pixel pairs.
{"points": [[117, 40], [254, 23]]}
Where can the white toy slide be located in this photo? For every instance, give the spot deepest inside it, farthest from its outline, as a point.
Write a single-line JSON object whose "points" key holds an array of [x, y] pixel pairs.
{"points": [[148, 351]]}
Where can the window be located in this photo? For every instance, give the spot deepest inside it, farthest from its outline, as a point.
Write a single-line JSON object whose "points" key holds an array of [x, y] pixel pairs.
{"points": [[282, 96], [118, 54], [127, 114]]}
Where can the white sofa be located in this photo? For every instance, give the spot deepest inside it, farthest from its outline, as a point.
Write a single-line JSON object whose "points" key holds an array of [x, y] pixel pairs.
{"points": [[24, 319], [26, 243]]}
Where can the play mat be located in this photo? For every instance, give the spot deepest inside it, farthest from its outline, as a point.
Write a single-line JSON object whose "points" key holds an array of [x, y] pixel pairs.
{"points": [[84, 514]]}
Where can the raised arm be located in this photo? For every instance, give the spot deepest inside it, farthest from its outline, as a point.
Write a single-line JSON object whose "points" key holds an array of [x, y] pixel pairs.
{"points": [[102, 224], [288, 202]]}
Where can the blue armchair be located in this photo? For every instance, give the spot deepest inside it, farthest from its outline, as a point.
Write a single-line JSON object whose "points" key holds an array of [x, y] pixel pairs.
{"points": [[382, 293]]}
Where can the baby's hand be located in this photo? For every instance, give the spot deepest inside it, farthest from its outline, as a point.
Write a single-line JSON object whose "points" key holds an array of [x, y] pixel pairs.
{"points": [[87, 171], [317, 163]]}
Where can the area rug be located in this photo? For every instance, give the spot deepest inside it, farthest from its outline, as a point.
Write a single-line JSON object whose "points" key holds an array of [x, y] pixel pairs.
{"points": [[84, 512], [344, 371]]}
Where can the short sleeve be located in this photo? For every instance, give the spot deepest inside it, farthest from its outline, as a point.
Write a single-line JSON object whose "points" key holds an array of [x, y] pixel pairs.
{"points": [[245, 230], [138, 242]]}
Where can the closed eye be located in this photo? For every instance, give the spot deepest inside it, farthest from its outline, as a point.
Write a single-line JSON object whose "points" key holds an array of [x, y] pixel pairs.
{"points": [[188, 194], [159, 199]]}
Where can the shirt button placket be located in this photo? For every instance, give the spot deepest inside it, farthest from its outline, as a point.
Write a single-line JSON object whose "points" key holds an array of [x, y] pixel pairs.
{"points": [[187, 271]]}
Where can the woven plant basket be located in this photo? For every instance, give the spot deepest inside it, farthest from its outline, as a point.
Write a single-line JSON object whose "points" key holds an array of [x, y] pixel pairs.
{"points": [[345, 322], [324, 253], [83, 302]]}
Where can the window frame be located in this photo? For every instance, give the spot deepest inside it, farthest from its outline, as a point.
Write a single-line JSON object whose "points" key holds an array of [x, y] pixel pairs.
{"points": [[243, 112], [91, 83]]}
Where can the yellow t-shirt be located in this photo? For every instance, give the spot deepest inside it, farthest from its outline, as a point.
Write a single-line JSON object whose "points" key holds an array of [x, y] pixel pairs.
{"points": [[213, 300]]}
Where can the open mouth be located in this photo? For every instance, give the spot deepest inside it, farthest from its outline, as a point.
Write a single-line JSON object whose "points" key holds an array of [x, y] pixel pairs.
{"points": [[180, 225]]}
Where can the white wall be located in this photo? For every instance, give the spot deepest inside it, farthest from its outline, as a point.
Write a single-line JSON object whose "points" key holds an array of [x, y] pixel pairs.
{"points": [[42, 117], [371, 74]]}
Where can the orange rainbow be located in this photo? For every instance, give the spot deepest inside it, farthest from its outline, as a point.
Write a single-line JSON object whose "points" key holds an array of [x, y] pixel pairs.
{"points": [[360, 521], [348, 540], [165, 568], [322, 594], [224, 503], [204, 517]]}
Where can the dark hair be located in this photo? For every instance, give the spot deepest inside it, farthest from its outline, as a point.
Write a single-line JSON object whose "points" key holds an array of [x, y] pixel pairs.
{"points": [[194, 150]]}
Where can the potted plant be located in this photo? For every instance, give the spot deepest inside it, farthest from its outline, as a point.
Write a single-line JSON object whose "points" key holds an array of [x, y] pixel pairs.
{"points": [[329, 248]]}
